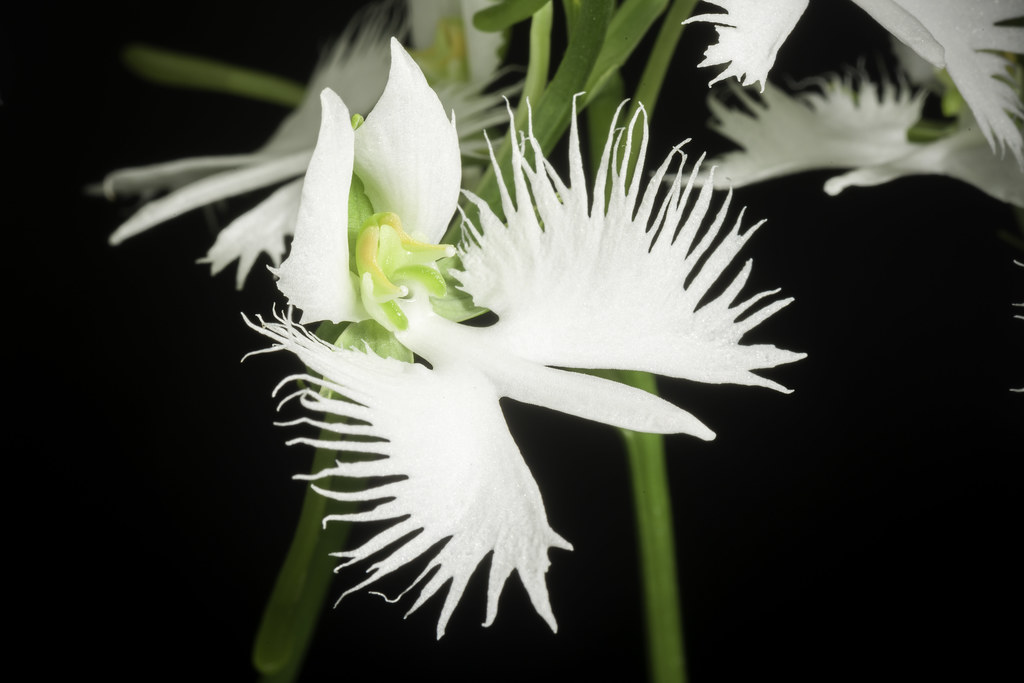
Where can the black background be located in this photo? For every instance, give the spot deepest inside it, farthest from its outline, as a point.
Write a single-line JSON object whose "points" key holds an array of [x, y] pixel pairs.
{"points": [[862, 526]]}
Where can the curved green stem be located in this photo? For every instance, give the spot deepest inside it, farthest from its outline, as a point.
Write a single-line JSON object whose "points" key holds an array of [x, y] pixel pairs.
{"points": [[290, 617], [182, 70], [653, 504]]}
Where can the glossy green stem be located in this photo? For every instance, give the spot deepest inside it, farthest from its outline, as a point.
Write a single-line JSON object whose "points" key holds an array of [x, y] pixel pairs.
{"points": [[300, 592], [653, 505], [182, 70]]}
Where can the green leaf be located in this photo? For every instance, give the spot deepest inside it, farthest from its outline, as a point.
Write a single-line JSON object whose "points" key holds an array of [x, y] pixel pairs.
{"points": [[501, 16], [552, 110], [181, 70], [627, 28]]}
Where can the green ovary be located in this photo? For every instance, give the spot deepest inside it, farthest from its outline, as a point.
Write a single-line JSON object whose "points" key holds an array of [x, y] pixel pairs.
{"points": [[388, 262]]}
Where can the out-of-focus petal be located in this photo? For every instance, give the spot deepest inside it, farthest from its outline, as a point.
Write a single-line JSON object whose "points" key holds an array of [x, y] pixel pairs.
{"points": [[623, 286], [356, 67], [965, 155], [750, 34], [169, 175], [262, 229], [315, 277], [210, 189], [839, 122], [407, 152], [450, 470], [971, 43]]}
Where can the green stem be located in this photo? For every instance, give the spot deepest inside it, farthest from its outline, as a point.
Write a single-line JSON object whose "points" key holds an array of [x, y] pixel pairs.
{"points": [[653, 504], [553, 108], [182, 70], [300, 591], [653, 76]]}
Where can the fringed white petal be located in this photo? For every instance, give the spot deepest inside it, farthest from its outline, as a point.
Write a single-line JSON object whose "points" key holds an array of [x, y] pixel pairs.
{"points": [[262, 229], [407, 152], [965, 155], [971, 45], [210, 189], [453, 473], [315, 276], [838, 122], [749, 36], [635, 285]]}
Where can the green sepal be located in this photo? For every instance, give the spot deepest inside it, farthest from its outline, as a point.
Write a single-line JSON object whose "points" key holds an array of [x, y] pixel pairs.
{"points": [[370, 333]]}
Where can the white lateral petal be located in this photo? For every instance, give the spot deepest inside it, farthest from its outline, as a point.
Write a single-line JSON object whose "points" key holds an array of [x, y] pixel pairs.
{"points": [[261, 229], [407, 152], [447, 344], [210, 189], [971, 42], [625, 287], [168, 175], [749, 36], [464, 479], [838, 122], [965, 155], [315, 276]]}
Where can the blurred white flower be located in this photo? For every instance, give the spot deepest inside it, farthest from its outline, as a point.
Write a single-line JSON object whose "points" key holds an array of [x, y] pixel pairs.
{"points": [[851, 122], [635, 282], [357, 67], [964, 38]]}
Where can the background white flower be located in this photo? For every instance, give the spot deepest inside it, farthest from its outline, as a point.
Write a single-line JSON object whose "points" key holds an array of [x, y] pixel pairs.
{"points": [[965, 38], [357, 66], [851, 122]]}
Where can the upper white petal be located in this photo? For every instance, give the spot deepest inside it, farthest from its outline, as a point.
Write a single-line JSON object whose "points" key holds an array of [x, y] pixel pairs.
{"points": [[355, 67], [749, 36], [461, 476], [627, 286], [407, 152], [315, 276]]}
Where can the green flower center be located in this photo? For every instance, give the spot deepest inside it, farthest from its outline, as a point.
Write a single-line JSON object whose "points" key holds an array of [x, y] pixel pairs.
{"points": [[389, 262]]}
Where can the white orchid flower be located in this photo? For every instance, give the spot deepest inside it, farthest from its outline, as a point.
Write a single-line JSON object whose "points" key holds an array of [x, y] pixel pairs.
{"points": [[851, 122], [357, 67], [634, 282], [963, 37]]}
